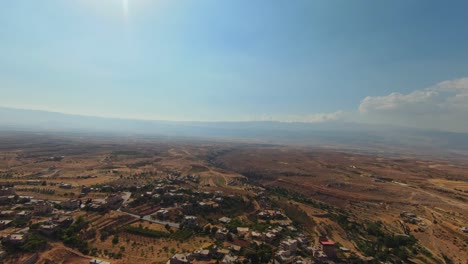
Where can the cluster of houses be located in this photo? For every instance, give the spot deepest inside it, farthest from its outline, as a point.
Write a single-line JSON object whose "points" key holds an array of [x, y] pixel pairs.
{"points": [[16, 217], [287, 250], [290, 244], [413, 219], [45, 217], [173, 202], [271, 215], [410, 217], [7, 195], [185, 206], [225, 256], [173, 178]]}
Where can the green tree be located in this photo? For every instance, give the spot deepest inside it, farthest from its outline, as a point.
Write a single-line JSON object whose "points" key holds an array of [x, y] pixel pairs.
{"points": [[115, 240]]}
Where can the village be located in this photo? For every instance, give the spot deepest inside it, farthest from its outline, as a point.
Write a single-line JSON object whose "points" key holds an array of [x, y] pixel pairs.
{"points": [[243, 228], [132, 211]]}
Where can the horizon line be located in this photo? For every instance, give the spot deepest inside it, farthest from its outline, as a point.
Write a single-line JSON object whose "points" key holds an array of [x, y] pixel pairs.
{"points": [[169, 120]]}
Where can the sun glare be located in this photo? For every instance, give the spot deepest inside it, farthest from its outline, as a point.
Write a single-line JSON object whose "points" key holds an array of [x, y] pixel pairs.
{"points": [[125, 8]]}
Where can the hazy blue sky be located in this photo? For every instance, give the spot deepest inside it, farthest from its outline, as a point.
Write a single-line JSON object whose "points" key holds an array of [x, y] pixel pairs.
{"points": [[372, 61]]}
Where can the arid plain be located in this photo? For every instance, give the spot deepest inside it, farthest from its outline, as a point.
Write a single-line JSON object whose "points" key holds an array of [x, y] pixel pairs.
{"points": [[353, 199]]}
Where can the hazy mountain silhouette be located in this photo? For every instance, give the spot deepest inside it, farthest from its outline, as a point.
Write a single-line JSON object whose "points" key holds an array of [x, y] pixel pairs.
{"points": [[327, 133]]}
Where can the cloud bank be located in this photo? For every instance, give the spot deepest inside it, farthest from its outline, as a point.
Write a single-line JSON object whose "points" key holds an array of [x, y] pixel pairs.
{"points": [[443, 107]]}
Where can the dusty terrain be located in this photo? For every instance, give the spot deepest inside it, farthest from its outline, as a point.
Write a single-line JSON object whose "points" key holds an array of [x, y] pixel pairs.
{"points": [[369, 187]]}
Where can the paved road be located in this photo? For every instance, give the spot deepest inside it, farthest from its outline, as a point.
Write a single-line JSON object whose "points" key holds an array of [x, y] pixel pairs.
{"points": [[126, 196]]}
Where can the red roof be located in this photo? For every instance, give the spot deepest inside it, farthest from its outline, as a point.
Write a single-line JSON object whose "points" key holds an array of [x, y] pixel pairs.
{"points": [[327, 242]]}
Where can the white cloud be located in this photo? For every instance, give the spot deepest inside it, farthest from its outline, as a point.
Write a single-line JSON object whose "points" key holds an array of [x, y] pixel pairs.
{"points": [[460, 85], [442, 106]]}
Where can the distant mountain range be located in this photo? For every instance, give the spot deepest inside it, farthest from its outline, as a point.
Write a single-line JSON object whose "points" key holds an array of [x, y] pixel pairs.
{"points": [[319, 134]]}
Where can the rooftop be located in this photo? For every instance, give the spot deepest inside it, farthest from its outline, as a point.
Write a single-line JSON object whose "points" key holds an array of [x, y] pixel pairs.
{"points": [[327, 242]]}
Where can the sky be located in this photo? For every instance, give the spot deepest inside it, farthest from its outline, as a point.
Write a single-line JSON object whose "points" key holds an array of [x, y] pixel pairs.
{"points": [[395, 62]]}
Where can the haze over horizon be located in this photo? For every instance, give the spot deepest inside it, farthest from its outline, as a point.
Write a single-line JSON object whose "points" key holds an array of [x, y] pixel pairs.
{"points": [[395, 63]]}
